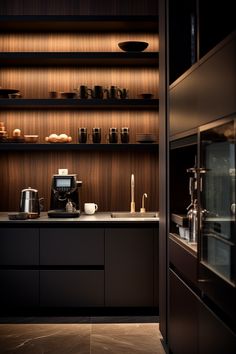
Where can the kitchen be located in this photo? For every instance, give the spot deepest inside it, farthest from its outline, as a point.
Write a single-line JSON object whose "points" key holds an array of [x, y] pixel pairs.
{"points": [[54, 259]]}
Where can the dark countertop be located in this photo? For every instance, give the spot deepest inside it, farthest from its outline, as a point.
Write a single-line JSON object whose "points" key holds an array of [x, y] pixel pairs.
{"points": [[96, 218]]}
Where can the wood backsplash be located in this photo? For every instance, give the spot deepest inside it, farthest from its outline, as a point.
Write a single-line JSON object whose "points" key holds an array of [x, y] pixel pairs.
{"points": [[79, 7], [37, 82], [105, 176]]}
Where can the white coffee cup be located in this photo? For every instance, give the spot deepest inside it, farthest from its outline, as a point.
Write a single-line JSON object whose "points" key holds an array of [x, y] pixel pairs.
{"points": [[90, 208]]}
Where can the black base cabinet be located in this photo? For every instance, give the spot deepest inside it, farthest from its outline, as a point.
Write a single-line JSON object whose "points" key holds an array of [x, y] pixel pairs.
{"points": [[19, 288], [19, 260], [79, 267], [19, 247], [214, 336], [129, 264], [193, 327], [71, 247], [183, 317], [72, 288]]}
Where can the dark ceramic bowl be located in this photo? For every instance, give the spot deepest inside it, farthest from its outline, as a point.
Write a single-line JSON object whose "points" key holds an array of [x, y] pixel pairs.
{"points": [[68, 94], [146, 96], [5, 92], [133, 46]]}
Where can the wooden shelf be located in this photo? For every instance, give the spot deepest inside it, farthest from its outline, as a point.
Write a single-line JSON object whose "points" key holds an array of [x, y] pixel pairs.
{"points": [[26, 23], [149, 147], [79, 58], [78, 104]]}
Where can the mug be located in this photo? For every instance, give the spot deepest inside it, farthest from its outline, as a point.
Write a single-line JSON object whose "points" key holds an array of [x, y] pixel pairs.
{"points": [[113, 136], [82, 135], [90, 208], [113, 92], [53, 94], [96, 135], [84, 92], [123, 93], [124, 135], [97, 92]]}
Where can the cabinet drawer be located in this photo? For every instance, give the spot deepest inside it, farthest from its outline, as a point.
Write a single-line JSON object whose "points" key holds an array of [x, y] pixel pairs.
{"points": [[183, 261], [79, 246], [71, 288], [19, 288], [19, 246]]}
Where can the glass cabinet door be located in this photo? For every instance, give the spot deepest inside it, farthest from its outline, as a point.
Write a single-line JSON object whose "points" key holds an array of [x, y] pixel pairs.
{"points": [[217, 199]]}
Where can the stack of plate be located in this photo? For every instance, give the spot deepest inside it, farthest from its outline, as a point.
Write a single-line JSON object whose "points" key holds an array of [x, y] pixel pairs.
{"points": [[146, 138]]}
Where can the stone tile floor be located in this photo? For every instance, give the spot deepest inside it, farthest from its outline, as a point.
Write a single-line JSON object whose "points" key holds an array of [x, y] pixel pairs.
{"points": [[120, 335]]}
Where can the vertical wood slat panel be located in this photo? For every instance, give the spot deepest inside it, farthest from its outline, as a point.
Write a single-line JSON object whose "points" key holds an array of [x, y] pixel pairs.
{"points": [[37, 83], [105, 176], [77, 42], [45, 123], [76, 7]]}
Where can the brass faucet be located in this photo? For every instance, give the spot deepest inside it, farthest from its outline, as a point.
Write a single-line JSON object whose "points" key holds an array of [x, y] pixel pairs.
{"points": [[143, 210], [132, 204]]}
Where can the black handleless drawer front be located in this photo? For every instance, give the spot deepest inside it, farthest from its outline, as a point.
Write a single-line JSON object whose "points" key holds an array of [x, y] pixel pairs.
{"points": [[71, 288], [19, 288], [183, 261], [79, 246], [129, 267], [19, 246]]}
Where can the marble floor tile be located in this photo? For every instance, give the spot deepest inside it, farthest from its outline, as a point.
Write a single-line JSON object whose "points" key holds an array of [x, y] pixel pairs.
{"points": [[126, 339], [45, 338], [79, 338]]}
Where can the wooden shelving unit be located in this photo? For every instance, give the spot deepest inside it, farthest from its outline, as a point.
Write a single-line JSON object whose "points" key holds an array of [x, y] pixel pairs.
{"points": [[74, 103], [51, 23], [150, 147]]}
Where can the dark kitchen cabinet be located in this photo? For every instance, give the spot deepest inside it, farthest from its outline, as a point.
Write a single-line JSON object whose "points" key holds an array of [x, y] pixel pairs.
{"points": [[19, 288], [193, 326], [201, 53], [130, 267], [77, 246], [19, 246], [183, 258], [19, 255], [196, 27], [73, 267], [183, 317], [182, 36], [72, 288], [207, 92], [216, 21], [214, 336], [52, 267]]}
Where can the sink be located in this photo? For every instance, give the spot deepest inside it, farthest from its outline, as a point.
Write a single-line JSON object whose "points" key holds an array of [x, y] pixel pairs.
{"points": [[128, 214]]}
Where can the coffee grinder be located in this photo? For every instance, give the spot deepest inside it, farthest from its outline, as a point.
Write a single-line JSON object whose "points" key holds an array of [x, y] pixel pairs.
{"points": [[65, 200]]}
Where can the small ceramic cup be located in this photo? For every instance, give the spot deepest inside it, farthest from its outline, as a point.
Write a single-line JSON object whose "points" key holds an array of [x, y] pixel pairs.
{"points": [[90, 208]]}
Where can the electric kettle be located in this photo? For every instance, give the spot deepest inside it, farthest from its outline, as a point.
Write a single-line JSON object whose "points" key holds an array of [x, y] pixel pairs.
{"points": [[30, 202]]}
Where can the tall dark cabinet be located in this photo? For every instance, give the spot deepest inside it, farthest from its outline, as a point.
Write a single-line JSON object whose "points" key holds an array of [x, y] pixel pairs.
{"points": [[202, 88]]}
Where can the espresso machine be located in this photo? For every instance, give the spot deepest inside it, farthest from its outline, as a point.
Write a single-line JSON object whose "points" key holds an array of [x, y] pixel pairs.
{"points": [[65, 201]]}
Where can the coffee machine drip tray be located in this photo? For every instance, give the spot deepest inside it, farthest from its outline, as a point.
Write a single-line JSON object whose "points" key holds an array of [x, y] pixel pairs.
{"points": [[63, 214]]}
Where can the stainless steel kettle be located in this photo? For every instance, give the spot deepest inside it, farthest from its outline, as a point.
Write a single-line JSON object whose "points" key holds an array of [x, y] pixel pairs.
{"points": [[30, 202]]}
